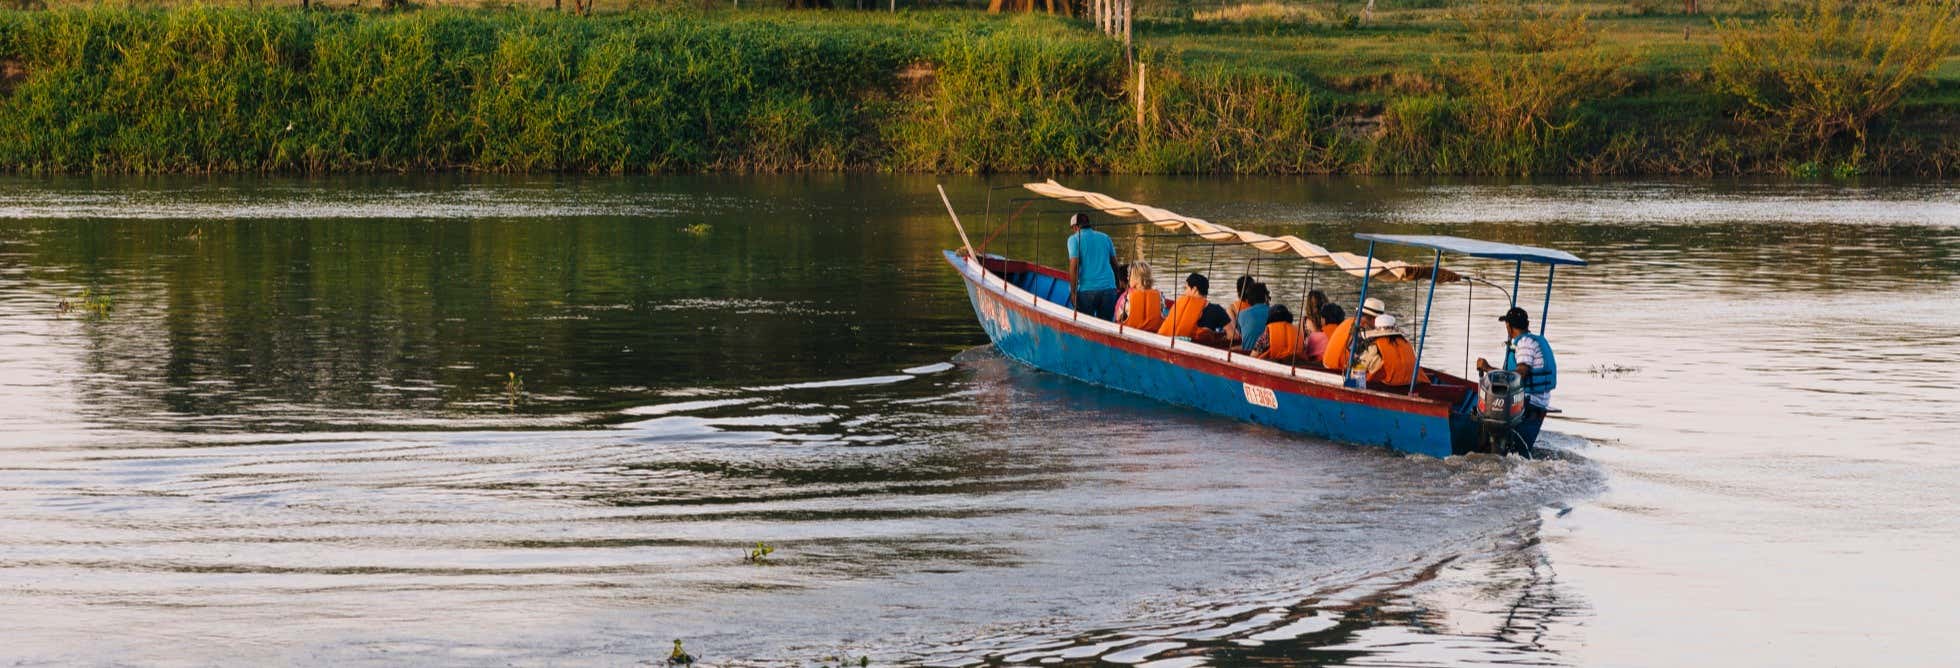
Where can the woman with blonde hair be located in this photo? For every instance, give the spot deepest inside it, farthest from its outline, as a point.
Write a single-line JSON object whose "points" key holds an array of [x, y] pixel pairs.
{"points": [[1145, 307]]}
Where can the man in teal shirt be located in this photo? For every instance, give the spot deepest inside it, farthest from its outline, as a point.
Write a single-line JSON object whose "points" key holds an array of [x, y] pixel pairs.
{"points": [[1092, 266]]}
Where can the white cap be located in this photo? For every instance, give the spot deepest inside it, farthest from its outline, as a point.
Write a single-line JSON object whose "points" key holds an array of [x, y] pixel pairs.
{"points": [[1373, 306], [1385, 320]]}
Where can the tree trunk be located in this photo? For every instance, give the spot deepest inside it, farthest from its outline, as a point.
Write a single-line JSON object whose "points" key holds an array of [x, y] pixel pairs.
{"points": [[1129, 9]]}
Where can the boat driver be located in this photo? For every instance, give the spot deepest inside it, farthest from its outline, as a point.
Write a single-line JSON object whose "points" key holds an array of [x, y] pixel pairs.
{"points": [[1092, 265], [1531, 356]]}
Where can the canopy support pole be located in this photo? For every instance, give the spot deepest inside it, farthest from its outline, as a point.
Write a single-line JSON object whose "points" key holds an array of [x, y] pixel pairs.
{"points": [[1306, 298], [1423, 338], [987, 218], [1306, 295], [1516, 274], [1354, 333], [1177, 258], [1545, 314], [1469, 314]]}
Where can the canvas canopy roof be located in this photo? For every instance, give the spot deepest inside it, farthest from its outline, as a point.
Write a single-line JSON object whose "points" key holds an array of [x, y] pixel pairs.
{"points": [[1356, 265], [1478, 248]]}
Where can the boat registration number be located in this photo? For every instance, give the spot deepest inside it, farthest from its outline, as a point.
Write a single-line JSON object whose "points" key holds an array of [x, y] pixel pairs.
{"points": [[1261, 396]]}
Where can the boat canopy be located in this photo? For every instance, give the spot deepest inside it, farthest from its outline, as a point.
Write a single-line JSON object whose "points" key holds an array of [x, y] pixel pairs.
{"points": [[1357, 265], [1478, 248]]}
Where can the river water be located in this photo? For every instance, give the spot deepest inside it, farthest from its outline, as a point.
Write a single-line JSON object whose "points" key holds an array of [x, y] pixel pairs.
{"points": [[450, 420]]}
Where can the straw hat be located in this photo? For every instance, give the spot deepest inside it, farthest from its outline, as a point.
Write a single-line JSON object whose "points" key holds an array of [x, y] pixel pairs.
{"points": [[1373, 307]]}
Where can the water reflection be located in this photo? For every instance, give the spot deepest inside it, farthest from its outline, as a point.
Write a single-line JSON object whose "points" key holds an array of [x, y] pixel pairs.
{"points": [[292, 439]]}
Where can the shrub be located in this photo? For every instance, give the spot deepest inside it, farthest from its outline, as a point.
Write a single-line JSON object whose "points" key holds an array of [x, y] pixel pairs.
{"points": [[1421, 134], [1530, 69], [1810, 78], [1230, 122], [1037, 97]]}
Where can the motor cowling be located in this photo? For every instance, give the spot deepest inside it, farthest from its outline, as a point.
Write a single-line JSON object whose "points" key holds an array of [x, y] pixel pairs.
{"points": [[1500, 397]]}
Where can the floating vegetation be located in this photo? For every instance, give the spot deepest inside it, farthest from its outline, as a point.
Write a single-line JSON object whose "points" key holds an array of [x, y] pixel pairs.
{"points": [[843, 661], [513, 389], [760, 554], [89, 303], [1613, 370], [679, 657], [698, 229]]}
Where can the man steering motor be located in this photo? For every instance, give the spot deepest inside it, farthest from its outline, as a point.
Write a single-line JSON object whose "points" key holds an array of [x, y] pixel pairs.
{"points": [[1531, 357]]}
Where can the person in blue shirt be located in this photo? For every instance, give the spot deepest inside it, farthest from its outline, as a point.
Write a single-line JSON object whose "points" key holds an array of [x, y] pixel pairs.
{"points": [[1252, 319], [1092, 265], [1531, 356]]}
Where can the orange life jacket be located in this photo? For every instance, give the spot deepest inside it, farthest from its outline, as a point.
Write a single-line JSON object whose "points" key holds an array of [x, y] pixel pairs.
{"points": [[1283, 342], [1398, 361], [1146, 308], [1329, 329], [1336, 357], [1184, 316]]}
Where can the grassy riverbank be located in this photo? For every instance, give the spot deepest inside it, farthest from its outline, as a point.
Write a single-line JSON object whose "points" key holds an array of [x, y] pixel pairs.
{"points": [[195, 89]]}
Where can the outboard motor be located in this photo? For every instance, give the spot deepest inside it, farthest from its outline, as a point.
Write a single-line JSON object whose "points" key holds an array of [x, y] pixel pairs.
{"points": [[1500, 406]]}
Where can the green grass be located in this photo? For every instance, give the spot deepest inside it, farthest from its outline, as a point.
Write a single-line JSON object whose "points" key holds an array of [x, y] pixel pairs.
{"points": [[1427, 42], [195, 89]]}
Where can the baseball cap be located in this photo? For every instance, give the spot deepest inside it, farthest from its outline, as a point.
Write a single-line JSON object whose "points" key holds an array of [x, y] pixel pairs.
{"points": [[1516, 317]]}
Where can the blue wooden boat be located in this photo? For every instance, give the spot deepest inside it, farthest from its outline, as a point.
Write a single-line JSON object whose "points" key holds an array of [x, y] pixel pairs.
{"points": [[1025, 309]]}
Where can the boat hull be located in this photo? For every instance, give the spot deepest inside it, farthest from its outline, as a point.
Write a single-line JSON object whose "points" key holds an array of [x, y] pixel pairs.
{"points": [[1026, 329]]}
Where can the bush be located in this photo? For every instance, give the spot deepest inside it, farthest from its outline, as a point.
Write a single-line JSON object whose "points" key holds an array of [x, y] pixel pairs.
{"points": [[1531, 68], [1808, 79], [1422, 134], [1039, 97], [1223, 122]]}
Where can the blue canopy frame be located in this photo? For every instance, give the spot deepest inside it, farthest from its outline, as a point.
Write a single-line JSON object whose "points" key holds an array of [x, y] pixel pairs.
{"points": [[1477, 248], [1517, 254]]}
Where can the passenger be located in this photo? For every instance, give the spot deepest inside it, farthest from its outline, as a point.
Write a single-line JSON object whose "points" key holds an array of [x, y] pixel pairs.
{"points": [[1389, 357], [1317, 338], [1143, 305], [1239, 289], [1316, 302], [1531, 356], [1183, 317], [1092, 267], [1331, 317], [1122, 288], [1336, 356], [1212, 324], [1251, 320], [1281, 342]]}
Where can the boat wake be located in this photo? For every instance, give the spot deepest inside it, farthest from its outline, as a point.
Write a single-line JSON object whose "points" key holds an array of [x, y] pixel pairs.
{"points": [[1495, 601]]}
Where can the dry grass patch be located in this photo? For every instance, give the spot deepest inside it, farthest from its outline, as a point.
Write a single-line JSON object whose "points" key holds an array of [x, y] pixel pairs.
{"points": [[1262, 11]]}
